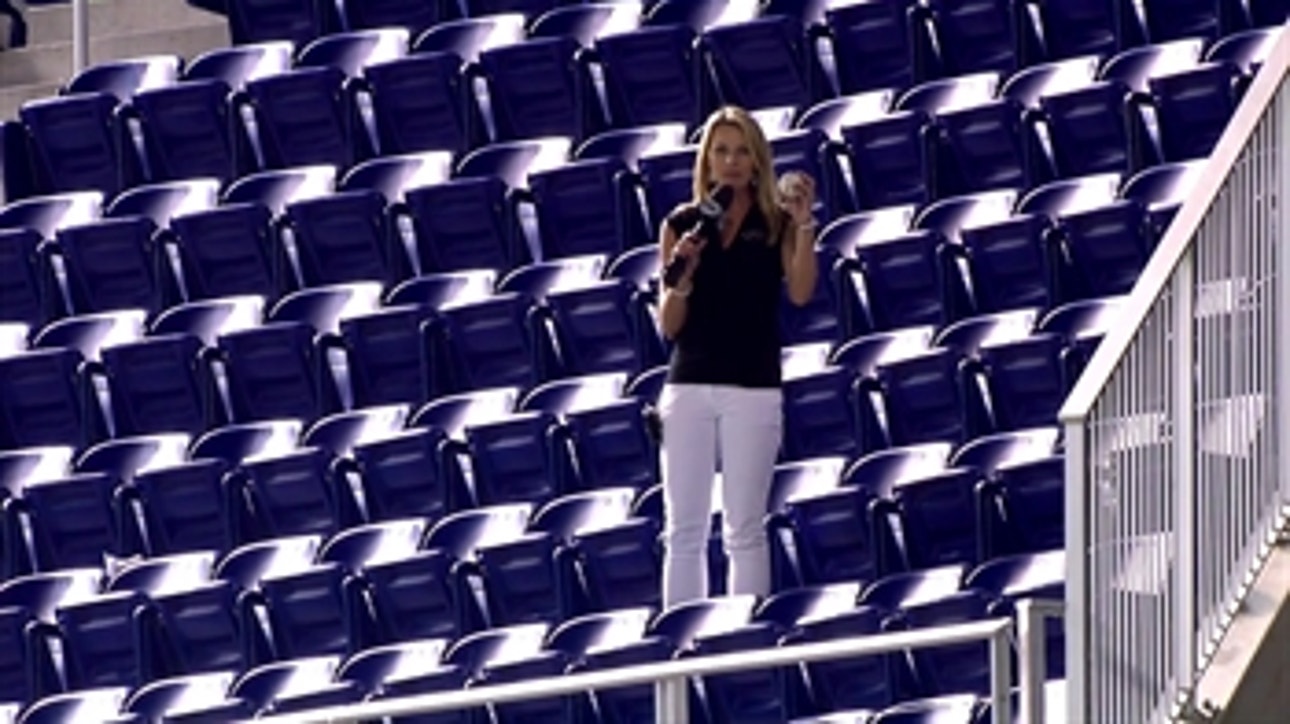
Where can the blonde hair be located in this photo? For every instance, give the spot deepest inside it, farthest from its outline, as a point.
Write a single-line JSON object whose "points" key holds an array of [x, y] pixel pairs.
{"points": [[763, 165]]}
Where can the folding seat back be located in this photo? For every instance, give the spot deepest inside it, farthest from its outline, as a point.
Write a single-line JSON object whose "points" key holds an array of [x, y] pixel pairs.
{"points": [[299, 21], [760, 63], [953, 709], [415, 15], [924, 400], [861, 682], [352, 51], [21, 289], [196, 692], [200, 630], [530, 9], [490, 344], [587, 207], [302, 117], [45, 215], [1265, 13], [339, 432], [937, 519], [516, 460], [289, 494], [73, 521], [892, 160], [187, 132], [76, 142], [416, 597], [950, 669], [875, 45], [1070, 28], [991, 147], [619, 566], [906, 282], [465, 224], [307, 613], [1028, 85], [1106, 249], [809, 151], [160, 385], [613, 446], [385, 357], [603, 328], [468, 36], [1027, 381], [1194, 108], [160, 202], [110, 265], [1012, 264], [229, 251], [103, 648], [237, 64], [1089, 130], [409, 474], [1022, 506], [43, 401], [273, 372], [825, 537], [651, 76], [669, 179], [123, 78], [818, 416], [536, 88], [342, 238], [420, 103], [1164, 21], [16, 170], [18, 661], [181, 507], [391, 175], [976, 36]]}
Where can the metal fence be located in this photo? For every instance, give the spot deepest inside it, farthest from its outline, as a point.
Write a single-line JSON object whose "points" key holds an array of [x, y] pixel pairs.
{"points": [[1178, 434], [671, 700]]}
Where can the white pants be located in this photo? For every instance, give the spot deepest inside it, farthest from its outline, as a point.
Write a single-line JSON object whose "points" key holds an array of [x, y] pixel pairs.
{"points": [[747, 424]]}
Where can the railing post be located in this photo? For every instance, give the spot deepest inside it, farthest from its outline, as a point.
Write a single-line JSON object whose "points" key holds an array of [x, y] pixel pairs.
{"points": [[80, 35], [671, 703], [1033, 659], [1079, 613], [1184, 442], [1001, 677]]}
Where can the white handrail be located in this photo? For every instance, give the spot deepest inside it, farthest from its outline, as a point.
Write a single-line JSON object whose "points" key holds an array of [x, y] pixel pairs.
{"points": [[1032, 659], [671, 676], [80, 35], [1178, 237]]}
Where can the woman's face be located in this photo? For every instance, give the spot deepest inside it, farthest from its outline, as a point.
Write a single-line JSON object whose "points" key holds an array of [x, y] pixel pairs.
{"points": [[729, 158]]}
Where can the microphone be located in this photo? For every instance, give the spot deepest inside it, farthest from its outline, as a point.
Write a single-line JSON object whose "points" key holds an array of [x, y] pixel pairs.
{"points": [[711, 209]]}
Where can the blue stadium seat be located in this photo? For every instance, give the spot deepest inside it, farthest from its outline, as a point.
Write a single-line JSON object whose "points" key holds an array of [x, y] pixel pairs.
{"points": [[72, 519], [489, 343], [420, 103], [520, 458], [968, 336], [44, 403], [978, 36], [289, 494], [1159, 22], [951, 709], [537, 88], [587, 22], [875, 45], [415, 15], [229, 250], [466, 224], [172, 696], [922, 399], [587, 207], [110, 265], [123, 78], [90, 334], [76, 144], [468, 36], [1193, 108], [21, 287], [59, 707], [302, 117], [160, 384], [652, 76], [760, 63], [892, 159], [299, 21], [1071, 28], [353, 51], [908, 281], [342, 237], [242, 62], [391, 175]]}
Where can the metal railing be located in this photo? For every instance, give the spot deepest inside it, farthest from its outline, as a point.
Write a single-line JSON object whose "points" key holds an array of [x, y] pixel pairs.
{"points": [[671, 700], [1178, 433]]}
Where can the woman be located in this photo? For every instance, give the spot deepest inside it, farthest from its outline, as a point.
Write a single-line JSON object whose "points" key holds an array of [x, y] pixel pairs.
{"points": [[723, 385]]}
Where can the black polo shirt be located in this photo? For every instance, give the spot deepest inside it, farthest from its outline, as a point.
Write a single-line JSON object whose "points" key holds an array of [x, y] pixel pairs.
{"points": [[731, 333]]}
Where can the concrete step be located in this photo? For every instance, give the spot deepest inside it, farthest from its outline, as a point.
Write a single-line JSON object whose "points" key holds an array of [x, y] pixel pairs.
{"points": [[35, 72], [52, 62], [53, 23], [12, 97]]}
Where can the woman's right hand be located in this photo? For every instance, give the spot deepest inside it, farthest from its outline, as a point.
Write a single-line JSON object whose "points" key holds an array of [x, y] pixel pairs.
{"points": [[688, 247]]}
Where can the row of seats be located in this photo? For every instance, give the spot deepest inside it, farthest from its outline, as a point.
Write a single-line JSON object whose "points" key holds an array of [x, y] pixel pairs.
{"points": [[348, 97], [270, 609]]}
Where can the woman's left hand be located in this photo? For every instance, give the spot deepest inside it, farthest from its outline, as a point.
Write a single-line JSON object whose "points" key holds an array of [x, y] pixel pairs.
{"points": [[797, 196]]}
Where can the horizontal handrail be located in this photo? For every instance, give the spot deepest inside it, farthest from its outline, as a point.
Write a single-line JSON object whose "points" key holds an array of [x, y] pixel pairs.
{"points": [[995, 631], [1178, 237]]}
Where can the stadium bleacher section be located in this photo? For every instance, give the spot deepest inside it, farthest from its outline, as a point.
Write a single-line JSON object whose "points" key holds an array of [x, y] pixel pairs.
{"points": [[326, 359]]}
